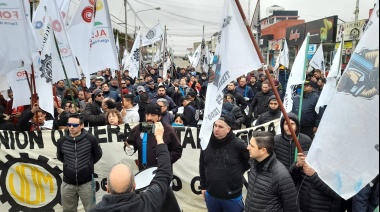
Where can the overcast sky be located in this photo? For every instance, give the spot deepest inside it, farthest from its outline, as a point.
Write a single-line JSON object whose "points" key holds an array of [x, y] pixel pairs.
{"points": [[185, 18]]}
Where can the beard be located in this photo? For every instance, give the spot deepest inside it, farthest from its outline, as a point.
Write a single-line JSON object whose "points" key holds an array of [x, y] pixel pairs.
{"points": [[273, 111]]}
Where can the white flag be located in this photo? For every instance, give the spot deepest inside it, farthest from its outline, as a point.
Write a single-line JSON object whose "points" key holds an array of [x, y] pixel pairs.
{"points": [[64, 5], [345, 151], [331, 81], [19, 84], [318, 60], [80, 33], [62, 39], [235, 55], [297, 75], [153, 35], [167, 66], [125, 60], [284, 56], [197, 57], [117, 46], [157, 57], [103, 47], [134, 57], [14, 36]]}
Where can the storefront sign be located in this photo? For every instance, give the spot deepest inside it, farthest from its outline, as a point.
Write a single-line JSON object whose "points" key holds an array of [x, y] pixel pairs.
{"points": [[323, 30], [352, 30], [295, 35], [275, 45]]}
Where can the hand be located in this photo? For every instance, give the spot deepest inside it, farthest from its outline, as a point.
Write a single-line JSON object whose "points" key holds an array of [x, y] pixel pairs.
{"points": [[60, 110], [35, 108], [159, 132], [313, 79], [89, 101], [176, 89], [123, 112], [308, 170], [315, 129], [204, 194], [301, 160]]}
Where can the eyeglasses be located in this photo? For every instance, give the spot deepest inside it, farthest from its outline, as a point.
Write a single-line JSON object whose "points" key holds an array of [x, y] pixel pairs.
{"points": [[73, 125], [100, 95], [123, 83]]}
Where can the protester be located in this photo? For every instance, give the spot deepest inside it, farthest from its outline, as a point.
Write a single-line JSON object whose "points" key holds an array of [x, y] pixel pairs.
{"points": [[239, 99], [113, 118], [60, 88], [161, 93], [310, 119], [143, 104], [221, 168], [129, 112], [179, 121], [270, 186], [260, 102], [167, 117], [95, 109], [367, 200], [35, 119], [314, 195], [273, 113], [284, 145], [78, 150], [245, 90], [148, 143], [238, 115], [5, 123], [189, 112], [109, 93], [67, 96], [321, 83]]}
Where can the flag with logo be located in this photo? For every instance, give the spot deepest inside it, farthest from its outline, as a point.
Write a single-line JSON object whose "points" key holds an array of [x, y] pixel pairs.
{"points": [[318, 60], [103, 47], [134, 57], [62, 40], [345, 151], [117, 46], [331, 81], [80, 33], [14, 36], [19, 84], [235, 55], [284, 56], [297, 75], [153, 35], [167, 65], [197, 57], [125, 60]]}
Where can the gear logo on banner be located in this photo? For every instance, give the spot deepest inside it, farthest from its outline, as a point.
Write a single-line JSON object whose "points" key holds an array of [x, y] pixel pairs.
{"points": [[136, 55], [40, 194], [87, 14], [151, 34], [46, 69]]}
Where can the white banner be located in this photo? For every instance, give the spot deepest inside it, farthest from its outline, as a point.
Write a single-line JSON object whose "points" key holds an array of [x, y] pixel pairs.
{"points": [[318, 60], [24, 155], [80, 33], [19, 84], [153, 35], [349, 159], [14, 36], [103, 47], [331, 81], [196, 58], [235, 56], [297, 75], [134, 57], [284, 55]]}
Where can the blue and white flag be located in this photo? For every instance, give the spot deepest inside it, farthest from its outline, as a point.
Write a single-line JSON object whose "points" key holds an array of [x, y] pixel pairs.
{"points": [[235, 56], [345, 151]]}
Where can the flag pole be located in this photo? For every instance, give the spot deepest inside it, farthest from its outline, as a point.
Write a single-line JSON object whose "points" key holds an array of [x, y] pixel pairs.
{"points": [[34, 96], [294, 136]]}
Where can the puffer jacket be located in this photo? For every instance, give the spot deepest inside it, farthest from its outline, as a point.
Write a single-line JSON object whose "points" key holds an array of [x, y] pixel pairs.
{"points": [[314, 195], [284, 146], [309, 117], [78, 156], [270, 189]]}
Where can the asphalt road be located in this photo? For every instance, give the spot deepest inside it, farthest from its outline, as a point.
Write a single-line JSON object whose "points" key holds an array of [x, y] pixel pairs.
{"points": [[181, 63]]}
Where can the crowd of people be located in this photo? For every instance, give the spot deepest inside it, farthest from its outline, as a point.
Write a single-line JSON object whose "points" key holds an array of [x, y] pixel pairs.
{"points": [[279, 179]]}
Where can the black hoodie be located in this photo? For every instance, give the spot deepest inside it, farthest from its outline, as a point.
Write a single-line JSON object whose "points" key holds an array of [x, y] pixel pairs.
{"points": [[150, 200], [284, 146]]}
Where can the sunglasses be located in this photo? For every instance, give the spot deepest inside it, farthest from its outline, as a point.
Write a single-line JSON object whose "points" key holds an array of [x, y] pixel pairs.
{"points": [[73, 125], [100, 95]]}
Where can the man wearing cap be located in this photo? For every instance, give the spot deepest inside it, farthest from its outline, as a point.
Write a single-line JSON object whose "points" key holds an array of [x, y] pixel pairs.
{"points": [[221, 168], [140, 90], [151, 88], [94, 109], [310, 119], [146, 144], [273, 113]]}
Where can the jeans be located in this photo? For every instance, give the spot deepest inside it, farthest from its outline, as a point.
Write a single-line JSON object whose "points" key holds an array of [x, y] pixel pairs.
{"points": [[221, 205], [70, 195]]}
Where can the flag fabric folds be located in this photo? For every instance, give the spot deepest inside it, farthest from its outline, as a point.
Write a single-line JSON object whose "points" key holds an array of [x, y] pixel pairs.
{"points": [[16, 25], [297, 75], [331, 81], [103, 47], [345, 151], [134, 57], [318, 60], [153, 35], [235, 55]]}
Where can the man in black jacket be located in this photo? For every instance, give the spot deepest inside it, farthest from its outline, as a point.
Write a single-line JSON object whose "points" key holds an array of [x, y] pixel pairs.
{"points": [[310, 119], [78, 150], [270, 187], [314, 195], [273, 113], [284, 146], [260, 102], [121, 184], [143, 141], [221, 168], [94, 109], [239, 99]]}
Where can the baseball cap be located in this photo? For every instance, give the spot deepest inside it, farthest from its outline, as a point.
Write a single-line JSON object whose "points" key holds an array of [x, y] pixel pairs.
{"points": [[97, 92], [140, 89]]}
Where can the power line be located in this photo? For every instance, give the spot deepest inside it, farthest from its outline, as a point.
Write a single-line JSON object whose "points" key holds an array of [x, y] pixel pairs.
{"points": [[137, 16]]}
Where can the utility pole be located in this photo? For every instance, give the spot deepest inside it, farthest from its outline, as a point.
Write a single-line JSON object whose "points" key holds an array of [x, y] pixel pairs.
{"points": [[355, 39], [126, 25], [249, 11]]}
